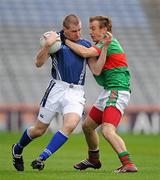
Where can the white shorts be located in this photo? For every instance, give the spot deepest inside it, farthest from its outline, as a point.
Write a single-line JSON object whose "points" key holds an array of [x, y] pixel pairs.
{"points": [[63, 98], [119, 99]]}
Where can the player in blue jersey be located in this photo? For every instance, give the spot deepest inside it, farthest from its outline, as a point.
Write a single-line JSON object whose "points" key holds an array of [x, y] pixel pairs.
{"points": [[64, 94]]}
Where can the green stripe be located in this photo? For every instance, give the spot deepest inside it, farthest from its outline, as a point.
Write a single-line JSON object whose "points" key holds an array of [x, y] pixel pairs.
{"points": [[123, 153], [113, 48], [114, 79], [112, 100]]}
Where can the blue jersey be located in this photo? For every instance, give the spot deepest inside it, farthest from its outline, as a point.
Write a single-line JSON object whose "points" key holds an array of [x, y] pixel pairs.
{"points": [[68, 66]]}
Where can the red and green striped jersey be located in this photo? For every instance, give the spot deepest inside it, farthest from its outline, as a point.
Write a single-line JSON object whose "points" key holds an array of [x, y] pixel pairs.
{"points": [[115, 74]]}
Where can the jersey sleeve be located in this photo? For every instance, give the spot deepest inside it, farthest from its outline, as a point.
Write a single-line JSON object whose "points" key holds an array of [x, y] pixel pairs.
{"points": [[98, 47]]}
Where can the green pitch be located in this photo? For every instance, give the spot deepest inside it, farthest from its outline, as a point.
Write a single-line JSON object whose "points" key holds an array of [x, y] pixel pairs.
{"points": [[145, 152]]}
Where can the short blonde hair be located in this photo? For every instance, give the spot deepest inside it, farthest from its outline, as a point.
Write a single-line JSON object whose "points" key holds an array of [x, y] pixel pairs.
{"points": [[71, 19], [104, 21]]}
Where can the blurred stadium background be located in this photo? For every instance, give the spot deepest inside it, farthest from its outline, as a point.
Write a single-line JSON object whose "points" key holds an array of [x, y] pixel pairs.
{"points": [[136, 23]]}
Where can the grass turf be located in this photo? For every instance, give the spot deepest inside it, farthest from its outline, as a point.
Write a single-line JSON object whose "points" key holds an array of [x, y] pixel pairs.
{"points": [[145, 151]]}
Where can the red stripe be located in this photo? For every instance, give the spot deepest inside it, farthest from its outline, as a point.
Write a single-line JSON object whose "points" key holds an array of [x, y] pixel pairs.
{"points": [[115, 60]]}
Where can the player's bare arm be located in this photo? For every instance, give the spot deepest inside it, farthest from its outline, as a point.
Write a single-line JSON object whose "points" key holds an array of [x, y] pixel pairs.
{"points": [[96, 65], [81, 50], [43, 54]]}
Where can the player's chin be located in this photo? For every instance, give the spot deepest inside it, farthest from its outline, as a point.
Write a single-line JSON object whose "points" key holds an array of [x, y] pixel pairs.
{"points": [[75, 38], [94, 39]]}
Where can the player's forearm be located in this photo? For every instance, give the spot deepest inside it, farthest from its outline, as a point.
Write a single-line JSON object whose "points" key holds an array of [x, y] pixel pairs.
{"points": [[102, 59], [78, 49], [96, 65], [42, 56], [81, 50]]}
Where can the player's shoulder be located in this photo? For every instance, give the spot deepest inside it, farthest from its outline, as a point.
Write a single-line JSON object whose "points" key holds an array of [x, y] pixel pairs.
{"points": [[115, 41], [84, 42]]}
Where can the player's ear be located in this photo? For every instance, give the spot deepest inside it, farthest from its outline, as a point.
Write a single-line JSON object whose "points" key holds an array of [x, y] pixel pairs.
{"points": [[105, 29]]}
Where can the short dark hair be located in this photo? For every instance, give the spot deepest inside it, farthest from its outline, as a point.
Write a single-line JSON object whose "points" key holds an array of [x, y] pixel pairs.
{"points": [[71, 19], [104, 21]]}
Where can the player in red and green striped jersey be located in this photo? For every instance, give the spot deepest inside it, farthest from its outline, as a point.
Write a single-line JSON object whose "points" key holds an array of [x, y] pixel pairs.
{"points": [[115, 74], [112, 73]]}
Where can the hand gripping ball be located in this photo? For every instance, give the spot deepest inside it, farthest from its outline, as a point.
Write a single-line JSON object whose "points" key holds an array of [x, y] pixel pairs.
{"points": [[55, 46]]}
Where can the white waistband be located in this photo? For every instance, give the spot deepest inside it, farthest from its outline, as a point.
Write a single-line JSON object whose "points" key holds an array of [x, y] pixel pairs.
{"points": [[67, 84]]}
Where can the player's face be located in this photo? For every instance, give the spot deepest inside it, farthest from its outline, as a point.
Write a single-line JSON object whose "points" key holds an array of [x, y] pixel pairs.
{"points": [[73, 32], [96, 32]]}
